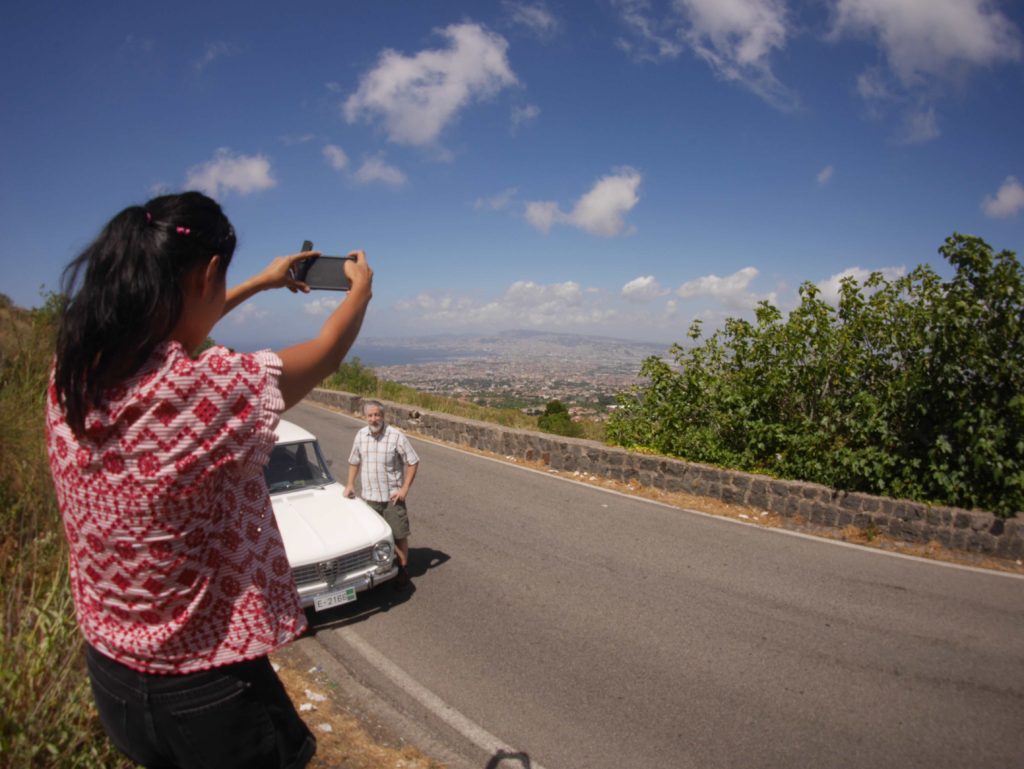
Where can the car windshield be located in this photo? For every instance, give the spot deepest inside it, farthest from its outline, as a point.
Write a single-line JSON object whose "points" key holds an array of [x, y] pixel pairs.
{"points": [[295, 466]]}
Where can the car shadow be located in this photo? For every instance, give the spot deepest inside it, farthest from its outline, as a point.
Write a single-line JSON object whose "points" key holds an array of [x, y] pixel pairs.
{"points": [[380, 599]]}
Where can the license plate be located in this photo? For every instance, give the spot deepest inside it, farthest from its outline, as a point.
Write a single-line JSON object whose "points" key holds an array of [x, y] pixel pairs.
{"points": [[337, 598]]}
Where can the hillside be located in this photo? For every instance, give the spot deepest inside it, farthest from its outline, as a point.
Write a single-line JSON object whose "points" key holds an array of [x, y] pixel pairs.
{"points": [[15, 326], [512, 368]]}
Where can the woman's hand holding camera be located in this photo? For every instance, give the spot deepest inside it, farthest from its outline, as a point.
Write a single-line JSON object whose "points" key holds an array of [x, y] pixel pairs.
{"points": [[280, 273], [358, 272]]}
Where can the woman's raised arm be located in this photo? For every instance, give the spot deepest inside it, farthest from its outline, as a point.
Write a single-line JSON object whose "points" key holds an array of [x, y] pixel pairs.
{"points": [[277, 274], [306, 364]]}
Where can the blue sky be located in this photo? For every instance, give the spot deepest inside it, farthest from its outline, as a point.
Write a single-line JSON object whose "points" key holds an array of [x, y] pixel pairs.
{"points": [[619, 167]]}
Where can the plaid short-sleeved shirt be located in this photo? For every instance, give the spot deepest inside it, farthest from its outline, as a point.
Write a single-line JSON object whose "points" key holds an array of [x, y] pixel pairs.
{"points": [[382, 459], [176, 562]]}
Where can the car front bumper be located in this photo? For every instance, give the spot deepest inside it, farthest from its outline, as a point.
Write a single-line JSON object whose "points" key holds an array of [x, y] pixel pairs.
{"points": [[310, 591]]}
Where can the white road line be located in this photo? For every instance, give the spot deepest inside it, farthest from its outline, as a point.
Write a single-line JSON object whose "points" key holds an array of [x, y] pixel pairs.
{"points": [[469, 729]]}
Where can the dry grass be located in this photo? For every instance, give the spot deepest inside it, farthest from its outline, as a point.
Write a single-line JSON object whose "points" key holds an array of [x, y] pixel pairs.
{"points": [[48, 718], [343, 741]]}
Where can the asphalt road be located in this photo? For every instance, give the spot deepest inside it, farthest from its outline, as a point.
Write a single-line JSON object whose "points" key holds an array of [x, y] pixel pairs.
{"points": [[589, 629]]}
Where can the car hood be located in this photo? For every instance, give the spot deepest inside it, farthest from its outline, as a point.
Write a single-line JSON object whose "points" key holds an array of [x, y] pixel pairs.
{"points": [[321, 523]]}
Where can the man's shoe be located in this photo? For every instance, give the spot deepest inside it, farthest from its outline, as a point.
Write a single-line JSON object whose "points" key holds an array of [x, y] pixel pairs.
{"points": [[402, 581]]}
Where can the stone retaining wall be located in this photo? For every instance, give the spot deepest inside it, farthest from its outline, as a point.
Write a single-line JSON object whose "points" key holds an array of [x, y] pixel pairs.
{"points": [[972, 531]]}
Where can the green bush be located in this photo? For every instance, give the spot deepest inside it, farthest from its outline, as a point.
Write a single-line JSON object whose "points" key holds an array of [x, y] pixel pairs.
{"points": [[912, 387], [352, 376], [556, 419]]}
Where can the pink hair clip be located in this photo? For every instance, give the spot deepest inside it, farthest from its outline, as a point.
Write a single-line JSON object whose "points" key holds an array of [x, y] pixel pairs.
{"points": [[183, 230]]}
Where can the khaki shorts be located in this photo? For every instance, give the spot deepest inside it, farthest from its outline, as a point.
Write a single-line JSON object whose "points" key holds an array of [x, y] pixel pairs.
{"points": [[396, 515]]}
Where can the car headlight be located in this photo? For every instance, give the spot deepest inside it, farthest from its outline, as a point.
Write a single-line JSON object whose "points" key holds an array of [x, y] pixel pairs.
{"points": [[383, 552]]}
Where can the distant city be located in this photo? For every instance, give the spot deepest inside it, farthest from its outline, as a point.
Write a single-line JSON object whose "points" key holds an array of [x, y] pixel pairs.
{"points": [[513, 369]]}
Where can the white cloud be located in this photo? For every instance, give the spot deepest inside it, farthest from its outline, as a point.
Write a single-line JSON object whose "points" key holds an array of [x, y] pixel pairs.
{"points": [[732, 290], [601, 211], [376, 170], [873, 88], [496, 202], [542, 214], [534, 16], [243, 174], [247, 313], [418, 96], [656, 40], [871, 85], [923, 41], [1008, 200], [524, 303], [336, 157], [139, 44], [525, 114], [643, 289], [321, 306], [737, 38], [215, 50], [919, 126], [927, 38], [526, 293], [645, 311], [825, 175], [830, 286]]}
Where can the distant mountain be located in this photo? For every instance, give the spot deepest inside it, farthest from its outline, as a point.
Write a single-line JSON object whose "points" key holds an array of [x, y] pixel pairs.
{"points": [[514, 338]]}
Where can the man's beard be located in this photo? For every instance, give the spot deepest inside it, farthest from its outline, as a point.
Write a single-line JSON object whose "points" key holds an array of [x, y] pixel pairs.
{"points": [[376, 429]]}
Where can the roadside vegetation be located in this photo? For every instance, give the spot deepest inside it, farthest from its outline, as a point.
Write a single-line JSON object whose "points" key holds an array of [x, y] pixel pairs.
{"points": [[556, 419], [911, 388], [46, 705]]}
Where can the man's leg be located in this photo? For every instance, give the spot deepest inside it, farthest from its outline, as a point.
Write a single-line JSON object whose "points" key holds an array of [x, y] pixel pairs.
{"points": [[402, 548], [397, 517]]}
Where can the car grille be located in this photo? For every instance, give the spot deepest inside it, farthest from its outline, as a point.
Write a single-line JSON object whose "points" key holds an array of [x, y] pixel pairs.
{"points": [[335, 569]]}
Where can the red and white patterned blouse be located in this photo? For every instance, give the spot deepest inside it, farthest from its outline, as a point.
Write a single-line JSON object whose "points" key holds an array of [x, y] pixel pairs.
{"points": [[177, 564]]}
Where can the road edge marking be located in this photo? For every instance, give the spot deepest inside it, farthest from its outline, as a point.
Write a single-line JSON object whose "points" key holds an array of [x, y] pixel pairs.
{"points": [[462, 724]]}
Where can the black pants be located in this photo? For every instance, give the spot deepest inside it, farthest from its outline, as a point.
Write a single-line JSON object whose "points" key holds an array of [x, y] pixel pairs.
{"points": [[233, 716]]}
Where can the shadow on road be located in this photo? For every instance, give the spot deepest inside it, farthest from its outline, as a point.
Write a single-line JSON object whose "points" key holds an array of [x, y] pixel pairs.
{"points": [[381, 598], [423, 559]]}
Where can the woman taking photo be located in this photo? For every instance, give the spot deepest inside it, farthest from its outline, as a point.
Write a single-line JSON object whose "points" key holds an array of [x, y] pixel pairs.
{"points": [[179, 574]]}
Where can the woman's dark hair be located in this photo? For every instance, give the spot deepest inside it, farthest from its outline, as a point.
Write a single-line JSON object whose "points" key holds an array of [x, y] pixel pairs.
{"points": [[124, 293]]}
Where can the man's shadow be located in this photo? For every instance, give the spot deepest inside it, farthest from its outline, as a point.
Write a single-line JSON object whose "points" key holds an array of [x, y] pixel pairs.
{"points": [[500, 757], [423, 559], [381, 598]]}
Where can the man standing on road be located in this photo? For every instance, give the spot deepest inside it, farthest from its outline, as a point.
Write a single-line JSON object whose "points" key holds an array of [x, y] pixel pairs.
{"points": [[388, 463]]}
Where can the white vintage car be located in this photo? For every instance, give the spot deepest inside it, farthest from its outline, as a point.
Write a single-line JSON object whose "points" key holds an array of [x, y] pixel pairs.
{"points": [[337, 547]]}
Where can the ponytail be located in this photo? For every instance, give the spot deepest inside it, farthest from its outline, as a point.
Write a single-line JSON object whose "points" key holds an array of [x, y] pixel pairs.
{"points": [[124, 294]]}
